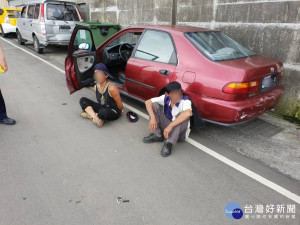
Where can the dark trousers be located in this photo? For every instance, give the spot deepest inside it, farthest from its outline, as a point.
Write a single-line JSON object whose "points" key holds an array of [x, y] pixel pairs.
{"points": [[104, 113], [178, 133], [2, 108]]}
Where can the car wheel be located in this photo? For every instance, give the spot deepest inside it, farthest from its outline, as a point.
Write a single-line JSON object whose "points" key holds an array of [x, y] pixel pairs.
{"points": [[20, 40], [2, 32], [37, 46]]}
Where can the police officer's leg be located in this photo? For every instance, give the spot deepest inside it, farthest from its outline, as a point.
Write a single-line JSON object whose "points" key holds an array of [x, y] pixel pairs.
{"points": [[2, 108]]}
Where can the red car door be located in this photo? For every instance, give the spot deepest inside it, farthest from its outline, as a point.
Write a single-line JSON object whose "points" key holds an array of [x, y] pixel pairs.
{"points": [[152, 64], [81, 59]]}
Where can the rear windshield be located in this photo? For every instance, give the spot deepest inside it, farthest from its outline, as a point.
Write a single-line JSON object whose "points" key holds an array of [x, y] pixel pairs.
{"points": [[63, 12], [13, 13], [217, 46]]}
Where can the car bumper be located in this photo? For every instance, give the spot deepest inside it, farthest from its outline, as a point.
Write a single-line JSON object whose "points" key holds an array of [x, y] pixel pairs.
{"points": [[8, 28], [52, 39], [236, 112]]}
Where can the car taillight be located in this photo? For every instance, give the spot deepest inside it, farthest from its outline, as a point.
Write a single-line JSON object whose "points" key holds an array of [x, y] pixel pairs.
{"points": [[6, 19], [81, 18], [241, 88], [42, 13]]}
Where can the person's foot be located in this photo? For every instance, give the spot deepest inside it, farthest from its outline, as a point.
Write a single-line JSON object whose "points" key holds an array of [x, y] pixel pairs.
{"points": [[98, 122], [153, 138], [8, 121], [166, 150], [86, 115]]}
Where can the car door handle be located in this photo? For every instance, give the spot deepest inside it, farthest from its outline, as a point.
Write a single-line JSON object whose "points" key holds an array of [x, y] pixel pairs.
{"points": [[164, 72]]}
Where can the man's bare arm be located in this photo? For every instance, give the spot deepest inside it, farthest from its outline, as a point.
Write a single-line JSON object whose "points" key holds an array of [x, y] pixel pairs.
{"points": [[153, 122]]}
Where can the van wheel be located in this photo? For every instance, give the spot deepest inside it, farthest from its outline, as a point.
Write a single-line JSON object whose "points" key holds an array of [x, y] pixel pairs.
{"points": [[2, 32], [37, 46], [20, 40]]}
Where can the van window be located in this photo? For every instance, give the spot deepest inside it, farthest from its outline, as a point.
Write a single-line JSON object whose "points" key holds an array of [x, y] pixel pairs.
{"points": [[36, 11], [30, 11], [65, 12], [156, 46], [23, 13]]}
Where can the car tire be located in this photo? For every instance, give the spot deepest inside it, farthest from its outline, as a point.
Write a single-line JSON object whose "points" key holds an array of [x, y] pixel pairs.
{"points": [[20, 39], [2, 33], [37, 46]]}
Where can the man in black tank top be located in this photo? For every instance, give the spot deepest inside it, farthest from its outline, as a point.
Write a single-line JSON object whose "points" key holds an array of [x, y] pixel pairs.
{"points": [[109, 104]]}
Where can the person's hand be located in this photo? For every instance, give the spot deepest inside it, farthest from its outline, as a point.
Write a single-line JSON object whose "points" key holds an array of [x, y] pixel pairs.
{"points": [[167, 130], [152, 124], [4, 64]]}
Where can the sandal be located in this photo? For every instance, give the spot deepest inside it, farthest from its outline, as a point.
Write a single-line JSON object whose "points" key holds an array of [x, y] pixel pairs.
{"points": [[85, 115], [98, 122]]}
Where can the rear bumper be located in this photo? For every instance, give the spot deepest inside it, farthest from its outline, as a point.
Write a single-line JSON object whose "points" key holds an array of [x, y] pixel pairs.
{"points": [[235, 112], [54, 39], [8, 28]]}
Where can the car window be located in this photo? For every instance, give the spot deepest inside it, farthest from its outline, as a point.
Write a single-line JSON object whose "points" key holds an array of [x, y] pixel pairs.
{"points": [[156, 46], [83, 42], [13, 13], [30, 11], [129, 37], [65, 12], [36, 11], [23, 13], [217, 46]]}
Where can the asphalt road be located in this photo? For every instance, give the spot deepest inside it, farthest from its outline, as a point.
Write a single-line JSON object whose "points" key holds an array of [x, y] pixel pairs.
{"points": [[58, 168]]}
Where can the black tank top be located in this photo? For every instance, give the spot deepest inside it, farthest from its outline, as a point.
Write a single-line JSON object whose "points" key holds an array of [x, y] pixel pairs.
{"points": [[105, 99]]}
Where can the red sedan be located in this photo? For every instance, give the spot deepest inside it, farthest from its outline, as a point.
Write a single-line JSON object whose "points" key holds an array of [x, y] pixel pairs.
{"points": [[227, 83]]}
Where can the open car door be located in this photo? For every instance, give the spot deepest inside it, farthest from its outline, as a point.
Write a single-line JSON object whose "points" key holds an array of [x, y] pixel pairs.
{"points": [[81, 59]]}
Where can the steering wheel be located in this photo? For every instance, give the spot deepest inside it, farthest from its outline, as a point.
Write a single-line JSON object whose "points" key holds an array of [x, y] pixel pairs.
{"points": [[125, 54]]}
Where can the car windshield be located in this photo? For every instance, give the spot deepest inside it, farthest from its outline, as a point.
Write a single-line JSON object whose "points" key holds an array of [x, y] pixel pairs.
{"points": [[130, 38], [13, 14], [65, 12], [217, 46]]}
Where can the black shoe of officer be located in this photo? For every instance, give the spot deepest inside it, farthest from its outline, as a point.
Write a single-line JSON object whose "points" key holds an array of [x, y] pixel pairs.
{"points": [[153, 138], [8, 121], [166, 150]]}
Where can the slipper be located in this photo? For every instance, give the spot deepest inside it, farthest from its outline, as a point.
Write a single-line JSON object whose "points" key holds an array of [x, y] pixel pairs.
{"points": [[85, 115], [98, 122]]}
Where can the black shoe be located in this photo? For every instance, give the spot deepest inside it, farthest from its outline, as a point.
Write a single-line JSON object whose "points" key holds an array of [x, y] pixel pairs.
{"points": [[153, 138], [166, 150], [8, 121]]}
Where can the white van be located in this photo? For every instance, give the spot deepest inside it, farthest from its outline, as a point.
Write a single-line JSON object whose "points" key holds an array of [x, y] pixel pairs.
{"points": [[47, 23]]}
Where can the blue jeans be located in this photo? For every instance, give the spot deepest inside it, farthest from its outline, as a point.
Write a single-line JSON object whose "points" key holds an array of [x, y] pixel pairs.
{"points": [[2, 108]]}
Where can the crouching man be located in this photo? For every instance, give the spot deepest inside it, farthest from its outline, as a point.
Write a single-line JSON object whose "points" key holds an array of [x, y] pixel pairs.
{"points": [[169, 117]]}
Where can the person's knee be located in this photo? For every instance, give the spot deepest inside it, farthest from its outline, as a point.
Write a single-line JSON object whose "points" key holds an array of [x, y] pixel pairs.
{"points": [[83, 102], [156, 106]]}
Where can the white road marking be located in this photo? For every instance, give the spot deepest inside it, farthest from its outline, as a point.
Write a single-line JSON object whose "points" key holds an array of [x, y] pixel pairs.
{"points": [[201, 147], [35, 56]]}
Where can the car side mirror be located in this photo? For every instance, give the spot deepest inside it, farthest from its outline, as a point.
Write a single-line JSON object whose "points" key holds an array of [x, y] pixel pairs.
{"points": [[84, 46], [1, 12]]}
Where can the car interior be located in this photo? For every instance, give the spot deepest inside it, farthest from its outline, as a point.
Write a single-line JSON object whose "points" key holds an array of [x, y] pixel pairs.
{"points": [[116, 54]]}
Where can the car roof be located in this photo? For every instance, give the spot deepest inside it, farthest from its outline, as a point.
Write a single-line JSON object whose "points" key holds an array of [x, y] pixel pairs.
{"points": [[172, 28]]}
